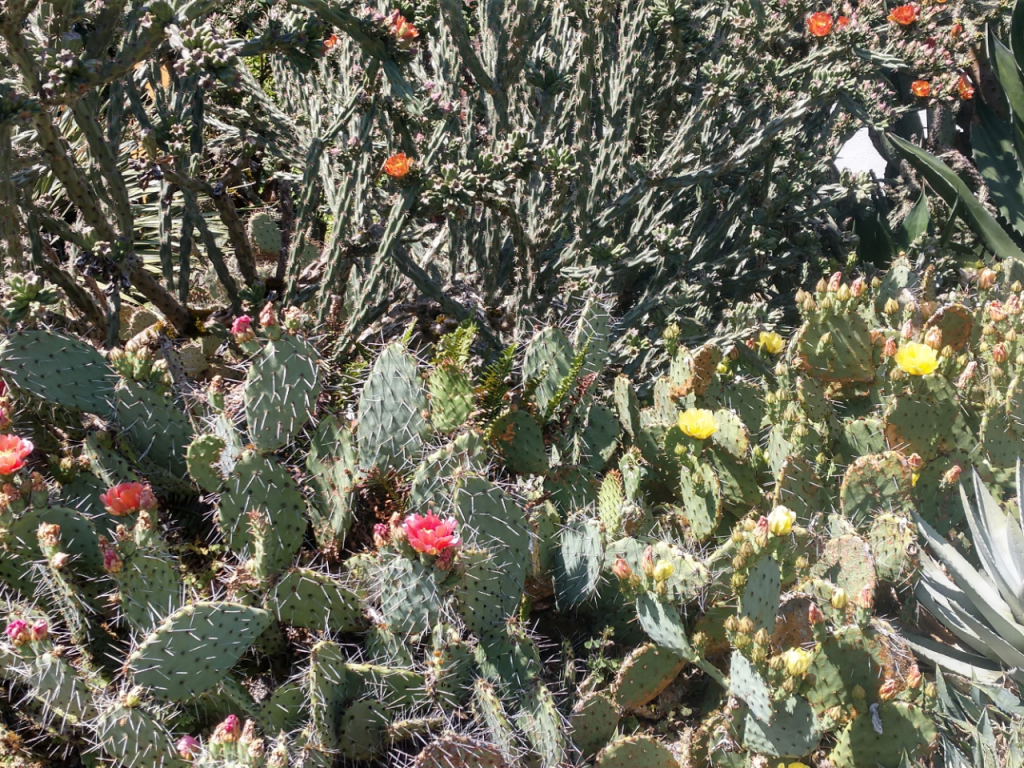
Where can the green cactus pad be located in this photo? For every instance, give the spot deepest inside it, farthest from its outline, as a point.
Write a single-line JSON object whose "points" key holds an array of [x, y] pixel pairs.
{"points": [[572, 488], [150, 587], [508, 657], [411, 596], [701, 495], [59, 370], [1000, 441], [389, 648], [811, 394], [132, 736], [847, 563], [393, 416], [600, 437], [593, 331], [877, 483], [155, 426], [258, 483], [487, 594], [647, 671], [738, 480], [77, 537], [60, 688], [578, 563], [849, 658], [451, 670], [748, 685], [593, 723], [627, 406], [760, 601], [490, 711], [893, 543], [451, 397], [732, 435], [518, 440], [397, 688], [541, 721], [265, 235], [459, 752], [327, 685], [793, 731], [186, 654], [547, 361], [663, 625], [799, 488], [363, 730], [305, 598], [284, 709], [281, 389], [845, 357], [204, 462], [490, 519], [334, 473], [905, 729], [636, 752], [900, 283], [922, 423], [860, 437]]}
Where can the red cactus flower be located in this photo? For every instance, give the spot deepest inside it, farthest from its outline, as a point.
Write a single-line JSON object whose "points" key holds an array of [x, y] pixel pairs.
{"points": [[963, 87], [819, 24], [228, 731], [904, 15], [241, 329], [921, 88], [18, 632], [398, 166], [330, 42], [13, 452], [430, 534], [40, 630], [128, 498], [403, 31], [842, 22]]}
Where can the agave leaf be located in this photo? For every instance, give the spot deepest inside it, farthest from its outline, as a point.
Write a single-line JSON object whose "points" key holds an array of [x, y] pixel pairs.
{"points": [[977, 590], [994, 152], [952, 189], [954, 660], [998, 554]]}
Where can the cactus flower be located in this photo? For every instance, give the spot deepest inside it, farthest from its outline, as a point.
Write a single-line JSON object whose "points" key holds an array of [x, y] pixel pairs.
{"points": [[780, 521], [621, 569], [430, 534], [904, 15], [964, 88], [797, 661], [128, 498], [228, 731], [698, 423], [241, 329], [839, 598], [40, 630], [188, 747], [13, 452], [663, 571], [398, 166], [921, 88], [330, 42], [771, 342], [842, 22], [814, 614], [889, 689], [819, 24], [916, 359], [18, 632], [404, 32], [798, 765]]}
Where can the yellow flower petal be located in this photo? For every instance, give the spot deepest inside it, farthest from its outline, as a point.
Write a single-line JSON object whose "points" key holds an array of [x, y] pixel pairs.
{"points": [[771, 342], [698, 423], [917, 359]]}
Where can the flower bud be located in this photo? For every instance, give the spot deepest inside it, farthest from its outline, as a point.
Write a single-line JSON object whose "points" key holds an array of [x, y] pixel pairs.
{"points": [[18, 632], [891, 306], [916, 462], [839, 599], [843, 294], [876, 282], [777, 663], [780, 521], [822, 286], [986, 279], [907, 331], [663, 571], [834, 282], [647, 561], [731, 623], [746, 625], [40, 630], [241, 329], [762, 637], [890, 349], [996, 313], [914, 677], [933, 338], [952, 475], [999, 353], [621, 569], [888, 690], [814, 614], [1014, 306], [801, 563], [857, 287], [188, 747], [229, 731], [268, 319], [797, 661], [865, 598]]}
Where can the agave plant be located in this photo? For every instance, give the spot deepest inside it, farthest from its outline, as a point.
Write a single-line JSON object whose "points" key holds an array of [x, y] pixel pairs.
{"points": [[984, 609]]}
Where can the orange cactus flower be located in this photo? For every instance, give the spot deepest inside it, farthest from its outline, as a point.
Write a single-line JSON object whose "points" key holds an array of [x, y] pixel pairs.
{"points": [[963, 86], [921, 88], [398, 166], [842, 22], [956, 30], [904, 15], [404, 32], [330, 42], [819, 24], [128, 498], [13, 452]]}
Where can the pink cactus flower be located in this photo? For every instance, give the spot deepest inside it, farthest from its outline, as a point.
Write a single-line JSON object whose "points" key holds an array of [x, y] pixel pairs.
{"points": [[227, 732], [18, 632], [188, 747], [241, 329], [40, 630], [268, 316], [381, 534], [128, 498], [430, 534], [13, 452]]}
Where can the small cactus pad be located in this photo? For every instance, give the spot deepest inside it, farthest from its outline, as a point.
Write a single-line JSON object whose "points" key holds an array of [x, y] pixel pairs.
{"points": [[636, 752], [793, 731], [265, 235], [748, 685], [519, 441], [189, 651], [701, 495], [547, 361], [647, 671], [593, 722], [281, 389], [393, 414], [59, 370], [877, 483], [133, 736], [761, 597], [459, 752], [204, 461], [305, 598], [844, 355]]}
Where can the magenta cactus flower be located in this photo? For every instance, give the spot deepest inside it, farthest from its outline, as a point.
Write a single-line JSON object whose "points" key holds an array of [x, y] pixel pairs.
{"points": [[430, 534]]}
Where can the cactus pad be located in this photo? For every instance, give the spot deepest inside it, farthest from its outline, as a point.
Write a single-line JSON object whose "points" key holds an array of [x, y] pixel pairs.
{"points": [[547, 362], [281, 389], [701, 495], [204, 461], [58, 370], [518, 439], [186, 654], [132, 736], [155, 426], [845, 356], [305, 598], [459, 752], [647, 671], [393, 413], [877, 483], [593, 723], [600, 437], [411, 597], [793, 731], [760, 599], [265, 235], [578, 563], [636, 752], [451, 397], [904, 729]]}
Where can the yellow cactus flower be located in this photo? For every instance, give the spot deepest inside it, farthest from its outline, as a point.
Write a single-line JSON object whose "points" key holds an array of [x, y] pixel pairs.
{"points": [[771, 342], [798, 661], [839, 598], [917, 359], [663, 570], [799, 765], [698, 423], [780, 521]]}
